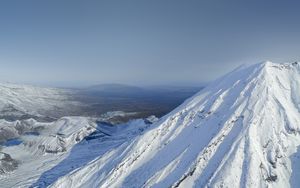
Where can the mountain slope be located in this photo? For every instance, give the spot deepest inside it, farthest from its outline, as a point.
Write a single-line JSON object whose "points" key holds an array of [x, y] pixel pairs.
{"points": [[240, 131], [24, 101]]}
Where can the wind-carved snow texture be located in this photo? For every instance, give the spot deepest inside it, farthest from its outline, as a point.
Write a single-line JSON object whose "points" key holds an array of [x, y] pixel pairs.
{"points": [[240, 131]]}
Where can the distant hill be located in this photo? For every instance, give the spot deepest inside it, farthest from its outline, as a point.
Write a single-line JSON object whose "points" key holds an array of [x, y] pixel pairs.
{"points": [[154, 100]]}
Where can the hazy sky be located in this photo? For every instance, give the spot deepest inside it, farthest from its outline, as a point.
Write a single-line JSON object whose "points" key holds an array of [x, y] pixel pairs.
{"points": [[73, 42]]}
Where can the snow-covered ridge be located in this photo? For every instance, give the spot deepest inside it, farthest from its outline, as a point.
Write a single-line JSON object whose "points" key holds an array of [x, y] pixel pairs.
{"points": [[38, 146], [240, 131]]}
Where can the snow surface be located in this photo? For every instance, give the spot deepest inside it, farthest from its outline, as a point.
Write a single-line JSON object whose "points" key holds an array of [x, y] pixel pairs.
{"points": [[240, 131]]}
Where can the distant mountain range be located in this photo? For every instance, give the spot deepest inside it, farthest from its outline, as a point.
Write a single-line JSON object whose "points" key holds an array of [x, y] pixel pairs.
{"points": [[121, 90]]}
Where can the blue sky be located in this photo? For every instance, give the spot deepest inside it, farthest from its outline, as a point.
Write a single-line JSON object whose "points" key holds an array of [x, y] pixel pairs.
{"points": [[71, 42]]}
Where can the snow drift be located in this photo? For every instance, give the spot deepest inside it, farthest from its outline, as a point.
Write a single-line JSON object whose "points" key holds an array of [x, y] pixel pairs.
{"points": [[240, 131]]}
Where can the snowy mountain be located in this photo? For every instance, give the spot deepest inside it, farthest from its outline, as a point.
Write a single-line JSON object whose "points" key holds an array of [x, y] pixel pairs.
{"points": [[240, 131], [25, 101]]}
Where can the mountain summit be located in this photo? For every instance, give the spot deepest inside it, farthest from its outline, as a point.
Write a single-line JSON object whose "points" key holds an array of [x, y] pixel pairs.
{"points": [[240, 131]]}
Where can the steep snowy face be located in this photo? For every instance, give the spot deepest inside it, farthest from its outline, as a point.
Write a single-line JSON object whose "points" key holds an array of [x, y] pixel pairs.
{"points": [[240, 131], [23, 101]]}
